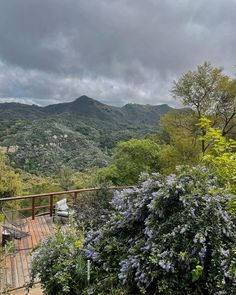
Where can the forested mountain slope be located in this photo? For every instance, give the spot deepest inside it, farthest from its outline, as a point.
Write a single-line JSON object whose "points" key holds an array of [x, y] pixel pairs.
{"points": [[79, 134]]}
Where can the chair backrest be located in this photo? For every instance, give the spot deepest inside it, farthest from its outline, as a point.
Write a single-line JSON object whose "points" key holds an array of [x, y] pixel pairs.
{"points": [[61, 205]]}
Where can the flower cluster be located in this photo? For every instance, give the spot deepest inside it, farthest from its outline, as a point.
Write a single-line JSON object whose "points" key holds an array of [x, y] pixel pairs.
{"points": [[169, 235], [59, 264]]}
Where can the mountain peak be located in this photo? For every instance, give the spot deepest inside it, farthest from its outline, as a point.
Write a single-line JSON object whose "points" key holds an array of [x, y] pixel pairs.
{"points": [[84, 99]]}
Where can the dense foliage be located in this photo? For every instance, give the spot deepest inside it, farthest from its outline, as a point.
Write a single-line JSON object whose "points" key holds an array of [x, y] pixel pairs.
{"points": [[92, 209], [59, 264], [221, 158], [209, 92], [170, 235], [9, 180], [130, 159], [181, 132]]}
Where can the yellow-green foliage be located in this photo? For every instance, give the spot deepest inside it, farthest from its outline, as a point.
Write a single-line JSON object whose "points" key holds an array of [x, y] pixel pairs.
{"points": [[221, 157], [86, 178], [33, 184], [182, 132], [169, 159], [10, 183], [65, 178]]}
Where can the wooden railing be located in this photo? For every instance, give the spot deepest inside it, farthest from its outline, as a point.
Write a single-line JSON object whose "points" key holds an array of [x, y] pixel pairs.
{"points": [[50, 196]]}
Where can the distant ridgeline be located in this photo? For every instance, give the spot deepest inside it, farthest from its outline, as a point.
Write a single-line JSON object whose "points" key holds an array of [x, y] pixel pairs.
{"points": [[79, 134]]}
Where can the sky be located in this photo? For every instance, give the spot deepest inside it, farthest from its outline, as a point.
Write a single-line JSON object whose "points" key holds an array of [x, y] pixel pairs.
{"points": [[115, 51]]}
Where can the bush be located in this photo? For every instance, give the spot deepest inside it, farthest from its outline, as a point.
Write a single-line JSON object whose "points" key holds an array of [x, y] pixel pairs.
{"points": [[59, 264], [93, 208], [170, 235]]}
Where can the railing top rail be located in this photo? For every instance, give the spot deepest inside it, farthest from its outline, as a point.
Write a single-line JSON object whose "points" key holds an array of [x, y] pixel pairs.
{"points": [[61, 193]]}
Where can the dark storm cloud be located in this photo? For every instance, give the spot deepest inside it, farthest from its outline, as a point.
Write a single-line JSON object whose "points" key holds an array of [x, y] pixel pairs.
{"points": [[117, 51]]}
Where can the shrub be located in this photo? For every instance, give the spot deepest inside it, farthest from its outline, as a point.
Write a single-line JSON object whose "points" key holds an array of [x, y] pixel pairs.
{"points": [[170, 235], [59, 264], [93, 208]]}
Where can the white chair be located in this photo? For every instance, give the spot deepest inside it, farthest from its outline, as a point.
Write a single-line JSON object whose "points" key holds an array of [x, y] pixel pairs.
{"points": [[62, 211]]}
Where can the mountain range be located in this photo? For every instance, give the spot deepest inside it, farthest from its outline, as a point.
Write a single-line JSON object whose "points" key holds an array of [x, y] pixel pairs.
{"points": [[79, 134], [85, 107]]}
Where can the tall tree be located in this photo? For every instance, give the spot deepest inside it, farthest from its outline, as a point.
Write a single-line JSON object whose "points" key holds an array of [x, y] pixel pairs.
{"points": [[210, 94]]}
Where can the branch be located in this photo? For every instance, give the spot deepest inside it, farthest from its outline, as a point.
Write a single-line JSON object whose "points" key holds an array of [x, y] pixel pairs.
{"points": [[228, 120]]}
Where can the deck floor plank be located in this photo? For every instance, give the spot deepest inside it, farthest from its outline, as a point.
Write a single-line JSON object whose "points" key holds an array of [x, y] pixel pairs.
{"points": [[16, 267], [25, 260], [45, 227]]}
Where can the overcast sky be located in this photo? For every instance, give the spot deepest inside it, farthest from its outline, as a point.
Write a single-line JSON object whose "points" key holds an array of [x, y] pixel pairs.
{"points": [[116, 51]]}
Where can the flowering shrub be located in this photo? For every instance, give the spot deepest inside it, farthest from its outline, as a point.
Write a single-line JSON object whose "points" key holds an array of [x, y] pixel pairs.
{"points": [[170, 235], [59, 264]]}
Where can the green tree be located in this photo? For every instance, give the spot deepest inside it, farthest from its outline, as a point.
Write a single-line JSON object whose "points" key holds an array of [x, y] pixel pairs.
{"points": [[183, 148], [10, 183], [209, 93], [130, 159], [169, 158]]}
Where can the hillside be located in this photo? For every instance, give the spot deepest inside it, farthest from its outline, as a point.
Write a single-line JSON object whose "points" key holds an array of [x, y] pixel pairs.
{"points": [[17, 111], [79, 134]]}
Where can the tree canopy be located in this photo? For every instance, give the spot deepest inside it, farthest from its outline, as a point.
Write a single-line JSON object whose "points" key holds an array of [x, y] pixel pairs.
{"points": [[209, 93], [9, 180], [130, 159]]}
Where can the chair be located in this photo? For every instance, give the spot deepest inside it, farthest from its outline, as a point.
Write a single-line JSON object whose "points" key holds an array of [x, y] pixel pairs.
{"points": [[62, 211], [15, 223]]}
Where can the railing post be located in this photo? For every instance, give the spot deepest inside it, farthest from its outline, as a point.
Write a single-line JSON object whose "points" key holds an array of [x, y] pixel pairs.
{"points": [[51, 204], [75, 197], [33, 208]]}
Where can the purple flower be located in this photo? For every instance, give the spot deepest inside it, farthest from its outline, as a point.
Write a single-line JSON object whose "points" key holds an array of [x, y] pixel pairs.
{"points": [[224, 253], [166, 265]]}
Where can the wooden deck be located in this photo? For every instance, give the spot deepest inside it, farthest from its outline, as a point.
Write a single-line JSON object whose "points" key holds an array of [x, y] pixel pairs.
{"points": [[16, 267]]}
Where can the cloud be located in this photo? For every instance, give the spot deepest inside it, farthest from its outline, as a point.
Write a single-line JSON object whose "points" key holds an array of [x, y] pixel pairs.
{"points": [[117, 51]]}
